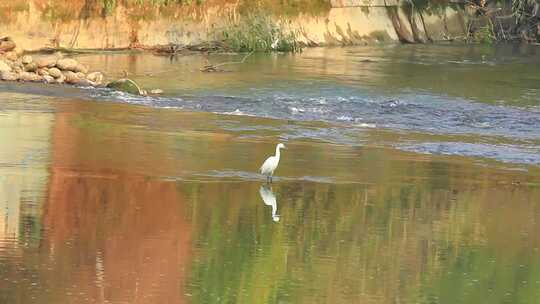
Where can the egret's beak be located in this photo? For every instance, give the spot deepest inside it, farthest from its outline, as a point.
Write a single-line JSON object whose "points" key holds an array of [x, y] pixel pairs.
{"points": [[284, 148]]}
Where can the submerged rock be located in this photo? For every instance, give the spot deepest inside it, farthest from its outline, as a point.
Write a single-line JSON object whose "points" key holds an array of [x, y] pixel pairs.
{"points": [[126, 85], [156, 91]]}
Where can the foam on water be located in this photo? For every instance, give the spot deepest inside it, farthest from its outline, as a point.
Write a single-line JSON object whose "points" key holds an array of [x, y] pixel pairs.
{"points": [[422, 113]]}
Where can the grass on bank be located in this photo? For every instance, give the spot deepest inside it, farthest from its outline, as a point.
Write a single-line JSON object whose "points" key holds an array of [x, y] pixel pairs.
{"points": [[258, 33]]}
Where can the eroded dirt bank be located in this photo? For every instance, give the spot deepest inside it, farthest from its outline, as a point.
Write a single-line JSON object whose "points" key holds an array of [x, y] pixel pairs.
{"points": [[91, 24]]}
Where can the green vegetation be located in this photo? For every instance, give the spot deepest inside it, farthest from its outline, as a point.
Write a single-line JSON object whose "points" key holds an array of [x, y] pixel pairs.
{"points": [[258, 33], [108, 5], [527, 17], [484, 35], [286, 7], [523, 10]]}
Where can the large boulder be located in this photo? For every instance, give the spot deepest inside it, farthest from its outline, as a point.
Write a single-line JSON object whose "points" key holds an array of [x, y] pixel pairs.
{"points": [[32, 77], [11, 56], [126, 85], [46, 62], [31, 67], [71, 77], [43, 72], [56, 73], [80, 68], [7, 44], [95, 77], [67, 64], [60, 79], [18, 51], [4, 66], [8, 76]]}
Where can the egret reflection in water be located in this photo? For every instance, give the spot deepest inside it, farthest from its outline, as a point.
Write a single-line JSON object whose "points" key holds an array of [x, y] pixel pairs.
{"points": [[270, 200]]}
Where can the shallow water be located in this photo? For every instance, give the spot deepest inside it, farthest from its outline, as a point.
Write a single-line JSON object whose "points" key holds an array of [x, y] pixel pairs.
{"points": [[108, 198], [451, 95]]}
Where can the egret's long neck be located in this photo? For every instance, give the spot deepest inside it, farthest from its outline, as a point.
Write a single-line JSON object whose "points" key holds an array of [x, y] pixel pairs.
{"points": [[277, 152]]}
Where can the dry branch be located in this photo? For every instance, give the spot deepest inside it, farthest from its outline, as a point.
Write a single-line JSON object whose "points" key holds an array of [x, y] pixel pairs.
{"points": [[215, 67]]}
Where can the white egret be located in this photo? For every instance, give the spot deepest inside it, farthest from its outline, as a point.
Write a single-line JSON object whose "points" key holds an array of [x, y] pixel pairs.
{"points": [[269, 199], [271, 163]]}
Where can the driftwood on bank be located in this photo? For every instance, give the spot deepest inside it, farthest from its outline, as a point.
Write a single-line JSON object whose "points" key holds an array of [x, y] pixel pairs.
{"points": [[173, 49]]}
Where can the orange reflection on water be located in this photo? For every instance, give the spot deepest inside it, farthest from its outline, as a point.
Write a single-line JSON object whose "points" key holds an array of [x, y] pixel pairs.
{"points": [[128, 235], [111, 236]]}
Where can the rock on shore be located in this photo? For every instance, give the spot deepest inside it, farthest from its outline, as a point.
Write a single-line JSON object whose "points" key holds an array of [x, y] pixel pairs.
{"points": [[14, 66], [55, 69]]}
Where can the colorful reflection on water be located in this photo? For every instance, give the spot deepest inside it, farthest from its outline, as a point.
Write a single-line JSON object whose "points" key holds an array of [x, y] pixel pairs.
{"points": [[112, 203]]}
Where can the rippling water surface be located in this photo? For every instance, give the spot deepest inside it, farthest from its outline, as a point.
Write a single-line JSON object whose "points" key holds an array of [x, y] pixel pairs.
{"points": [[438, 91], [411, 176]]}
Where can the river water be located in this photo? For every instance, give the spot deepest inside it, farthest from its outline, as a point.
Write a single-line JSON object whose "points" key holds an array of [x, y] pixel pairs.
{"points": [[411, 175]]}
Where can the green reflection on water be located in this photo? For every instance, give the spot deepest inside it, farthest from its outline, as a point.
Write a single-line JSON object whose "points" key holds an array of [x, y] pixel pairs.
{"points": [[126, 216]]}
